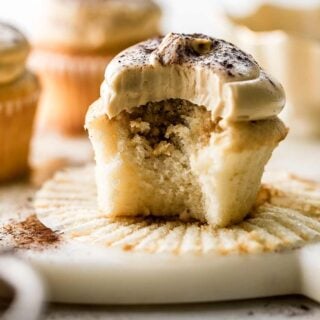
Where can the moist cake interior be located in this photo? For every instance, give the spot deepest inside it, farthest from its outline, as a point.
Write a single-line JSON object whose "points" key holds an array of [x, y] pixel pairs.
{"points": [[160, 138]]}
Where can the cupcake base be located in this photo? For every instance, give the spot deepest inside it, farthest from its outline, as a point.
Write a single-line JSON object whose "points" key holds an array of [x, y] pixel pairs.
{"points": [[285, 217], [71, 83], [169, 158], [18, 104]]}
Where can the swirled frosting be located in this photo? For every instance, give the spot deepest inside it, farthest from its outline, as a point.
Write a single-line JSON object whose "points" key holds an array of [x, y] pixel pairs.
{"points": [[96, 25], [14, 50], [204, 70]]}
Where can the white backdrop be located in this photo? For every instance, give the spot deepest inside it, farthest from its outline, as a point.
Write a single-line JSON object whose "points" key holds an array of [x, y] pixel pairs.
{"points": [[179, 15]]}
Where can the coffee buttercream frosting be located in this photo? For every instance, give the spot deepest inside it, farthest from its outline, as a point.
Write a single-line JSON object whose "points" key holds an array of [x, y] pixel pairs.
{"points": [[203, 70], [14, 49]]}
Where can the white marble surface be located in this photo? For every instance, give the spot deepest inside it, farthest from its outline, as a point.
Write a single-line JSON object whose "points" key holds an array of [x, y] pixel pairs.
{"points": [[262, 309], [280, 308]]}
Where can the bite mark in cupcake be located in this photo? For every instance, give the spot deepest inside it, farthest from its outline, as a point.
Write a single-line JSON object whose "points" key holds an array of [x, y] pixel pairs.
{"points": [[183, 130]]}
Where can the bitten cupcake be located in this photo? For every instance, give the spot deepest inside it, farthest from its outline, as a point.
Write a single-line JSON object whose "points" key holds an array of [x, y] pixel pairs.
{"points": [[19, 91], [74, 42], [184, 127]]}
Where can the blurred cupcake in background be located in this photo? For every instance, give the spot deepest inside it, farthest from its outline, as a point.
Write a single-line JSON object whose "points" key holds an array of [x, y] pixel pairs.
{"points": [[284, 37], [74, 40], [19, 91]]}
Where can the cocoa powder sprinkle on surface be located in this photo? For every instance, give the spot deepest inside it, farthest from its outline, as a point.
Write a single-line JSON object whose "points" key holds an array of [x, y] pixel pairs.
{"points": [[30, 234]]}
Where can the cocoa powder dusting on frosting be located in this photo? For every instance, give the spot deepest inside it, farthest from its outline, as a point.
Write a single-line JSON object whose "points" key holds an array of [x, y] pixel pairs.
{"points": [[190, 50], [30, 234]]}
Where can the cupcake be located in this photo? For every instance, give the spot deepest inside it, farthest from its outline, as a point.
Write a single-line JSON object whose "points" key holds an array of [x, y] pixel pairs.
{"points": [[73, 43], [19, 90], [184, 127], [284, 38]]}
